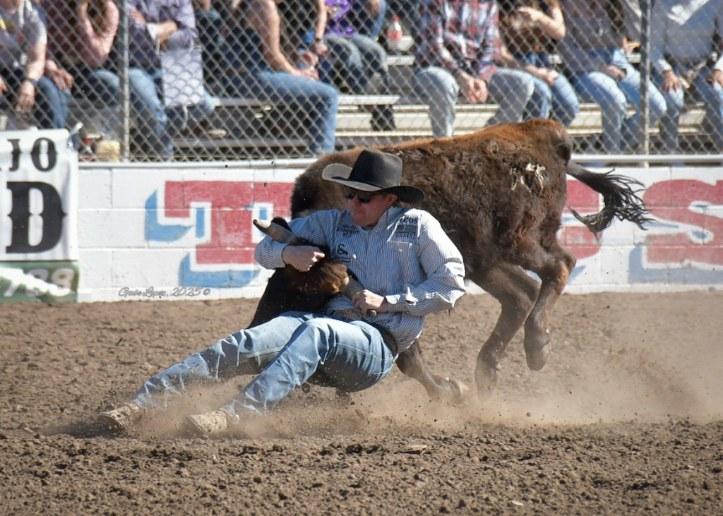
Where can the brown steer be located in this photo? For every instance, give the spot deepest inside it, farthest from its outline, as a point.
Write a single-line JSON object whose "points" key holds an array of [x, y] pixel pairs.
{"points": [[499, 193]]}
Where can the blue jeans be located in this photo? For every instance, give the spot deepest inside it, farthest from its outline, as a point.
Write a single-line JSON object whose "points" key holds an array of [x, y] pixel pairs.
{"points": [[354, 61], [96, 84], [712, 97], [557, 100], [51, 103], [512, 90], [160, 124], [620, 131], [364, 23], [286, 352], [316, 102]]}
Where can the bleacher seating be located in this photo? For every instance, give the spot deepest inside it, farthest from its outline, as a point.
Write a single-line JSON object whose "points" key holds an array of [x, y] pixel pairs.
{"points": [[246, 117], [257, 129]]}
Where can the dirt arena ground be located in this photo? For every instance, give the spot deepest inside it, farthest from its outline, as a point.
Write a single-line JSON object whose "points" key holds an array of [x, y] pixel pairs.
{"points": [[627, 417]]}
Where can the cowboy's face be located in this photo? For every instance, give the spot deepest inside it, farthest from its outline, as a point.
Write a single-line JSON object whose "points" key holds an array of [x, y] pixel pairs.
{"points": [[366, 208]]}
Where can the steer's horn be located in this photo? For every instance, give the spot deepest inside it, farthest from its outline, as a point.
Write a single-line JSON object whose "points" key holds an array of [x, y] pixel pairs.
{"points": [[276, 231]]}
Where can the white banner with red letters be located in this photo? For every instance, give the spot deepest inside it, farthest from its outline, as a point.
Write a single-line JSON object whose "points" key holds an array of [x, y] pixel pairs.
{"points": [[185, 231]]}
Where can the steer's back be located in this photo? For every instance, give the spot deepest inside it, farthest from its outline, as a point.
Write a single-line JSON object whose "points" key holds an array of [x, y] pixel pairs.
{"points": [[486, 188]]}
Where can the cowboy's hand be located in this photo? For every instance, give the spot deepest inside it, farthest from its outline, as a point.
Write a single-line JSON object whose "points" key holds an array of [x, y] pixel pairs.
{"points": [[301, 257], [3, 86], [366, 300], [26, 97]]}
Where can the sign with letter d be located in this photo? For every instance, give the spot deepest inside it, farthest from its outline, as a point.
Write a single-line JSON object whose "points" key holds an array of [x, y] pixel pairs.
{"points": [[38, 205]]}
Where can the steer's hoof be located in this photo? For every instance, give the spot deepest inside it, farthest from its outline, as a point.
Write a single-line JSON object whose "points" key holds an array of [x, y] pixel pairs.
{"points": [[485, 376], [537, 352], [457, 392]]}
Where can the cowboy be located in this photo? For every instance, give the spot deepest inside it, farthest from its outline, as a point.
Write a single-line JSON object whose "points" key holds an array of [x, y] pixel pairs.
{"points": [[407, 264]]}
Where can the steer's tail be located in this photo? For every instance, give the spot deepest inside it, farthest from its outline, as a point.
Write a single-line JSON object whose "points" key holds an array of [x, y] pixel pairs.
{"points": [[620, 194]]}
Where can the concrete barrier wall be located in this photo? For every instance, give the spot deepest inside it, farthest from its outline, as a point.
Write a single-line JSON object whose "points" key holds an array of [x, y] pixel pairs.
{"points": [[184, 231]]}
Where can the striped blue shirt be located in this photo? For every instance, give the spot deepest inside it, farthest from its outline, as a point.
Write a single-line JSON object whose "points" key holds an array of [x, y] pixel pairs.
{"points": [[407, 257]]}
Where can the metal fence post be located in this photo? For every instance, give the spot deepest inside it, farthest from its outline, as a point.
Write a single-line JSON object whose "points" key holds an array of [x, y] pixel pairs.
{"points": [[645, 76], [125, 88]]}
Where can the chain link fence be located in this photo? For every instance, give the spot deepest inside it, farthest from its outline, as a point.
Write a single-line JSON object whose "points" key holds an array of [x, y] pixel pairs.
{"points": [[239, 79]]}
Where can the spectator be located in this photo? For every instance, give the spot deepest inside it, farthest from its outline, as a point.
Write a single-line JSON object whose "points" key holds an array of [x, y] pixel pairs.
{"points": [[353, 58], [528, 30], [80, 39], [165, 25], [683, 47], [264, 70], [23, 42], [210, 34], [600, 72], [458, 50]]}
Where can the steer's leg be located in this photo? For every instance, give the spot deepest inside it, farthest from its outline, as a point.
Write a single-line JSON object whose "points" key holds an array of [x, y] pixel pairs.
{"points": [[553, 265], [516, 292], [411, 363]]}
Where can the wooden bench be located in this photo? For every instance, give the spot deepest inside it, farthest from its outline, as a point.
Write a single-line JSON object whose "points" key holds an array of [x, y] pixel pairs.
{"points": [[344, 101]]}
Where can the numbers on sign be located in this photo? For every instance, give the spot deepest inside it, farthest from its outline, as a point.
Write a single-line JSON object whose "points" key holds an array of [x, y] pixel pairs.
{"points": [[63, 277]]}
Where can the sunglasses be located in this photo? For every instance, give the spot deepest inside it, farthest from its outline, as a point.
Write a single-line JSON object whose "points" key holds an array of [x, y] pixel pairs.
{"points": [[362, 197]]}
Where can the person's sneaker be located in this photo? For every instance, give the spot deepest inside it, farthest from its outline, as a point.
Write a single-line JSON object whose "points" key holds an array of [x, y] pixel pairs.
{"points": [[120, 419], [208, 423]]}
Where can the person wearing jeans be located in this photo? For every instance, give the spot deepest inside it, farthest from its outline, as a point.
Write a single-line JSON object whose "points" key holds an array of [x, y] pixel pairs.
{"points": [[689, 68], [261, 69], [22, 66], [406, 263], [167, 25], [600, 72], [353, 58], [529, 29], [456, 53]]}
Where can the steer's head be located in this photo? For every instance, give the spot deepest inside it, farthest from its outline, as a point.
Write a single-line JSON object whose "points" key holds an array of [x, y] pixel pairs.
{"points": [[326, 277]]}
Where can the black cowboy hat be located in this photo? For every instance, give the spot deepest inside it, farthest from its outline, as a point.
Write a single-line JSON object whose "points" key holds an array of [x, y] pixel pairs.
{"points": [[373, 171]]}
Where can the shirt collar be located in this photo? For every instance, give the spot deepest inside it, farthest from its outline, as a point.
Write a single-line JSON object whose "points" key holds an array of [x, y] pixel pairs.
{"points": [[388, 218]]}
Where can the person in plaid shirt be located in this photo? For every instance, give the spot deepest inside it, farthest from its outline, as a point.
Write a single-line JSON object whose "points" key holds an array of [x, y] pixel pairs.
{"points": [[457, 51]]}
